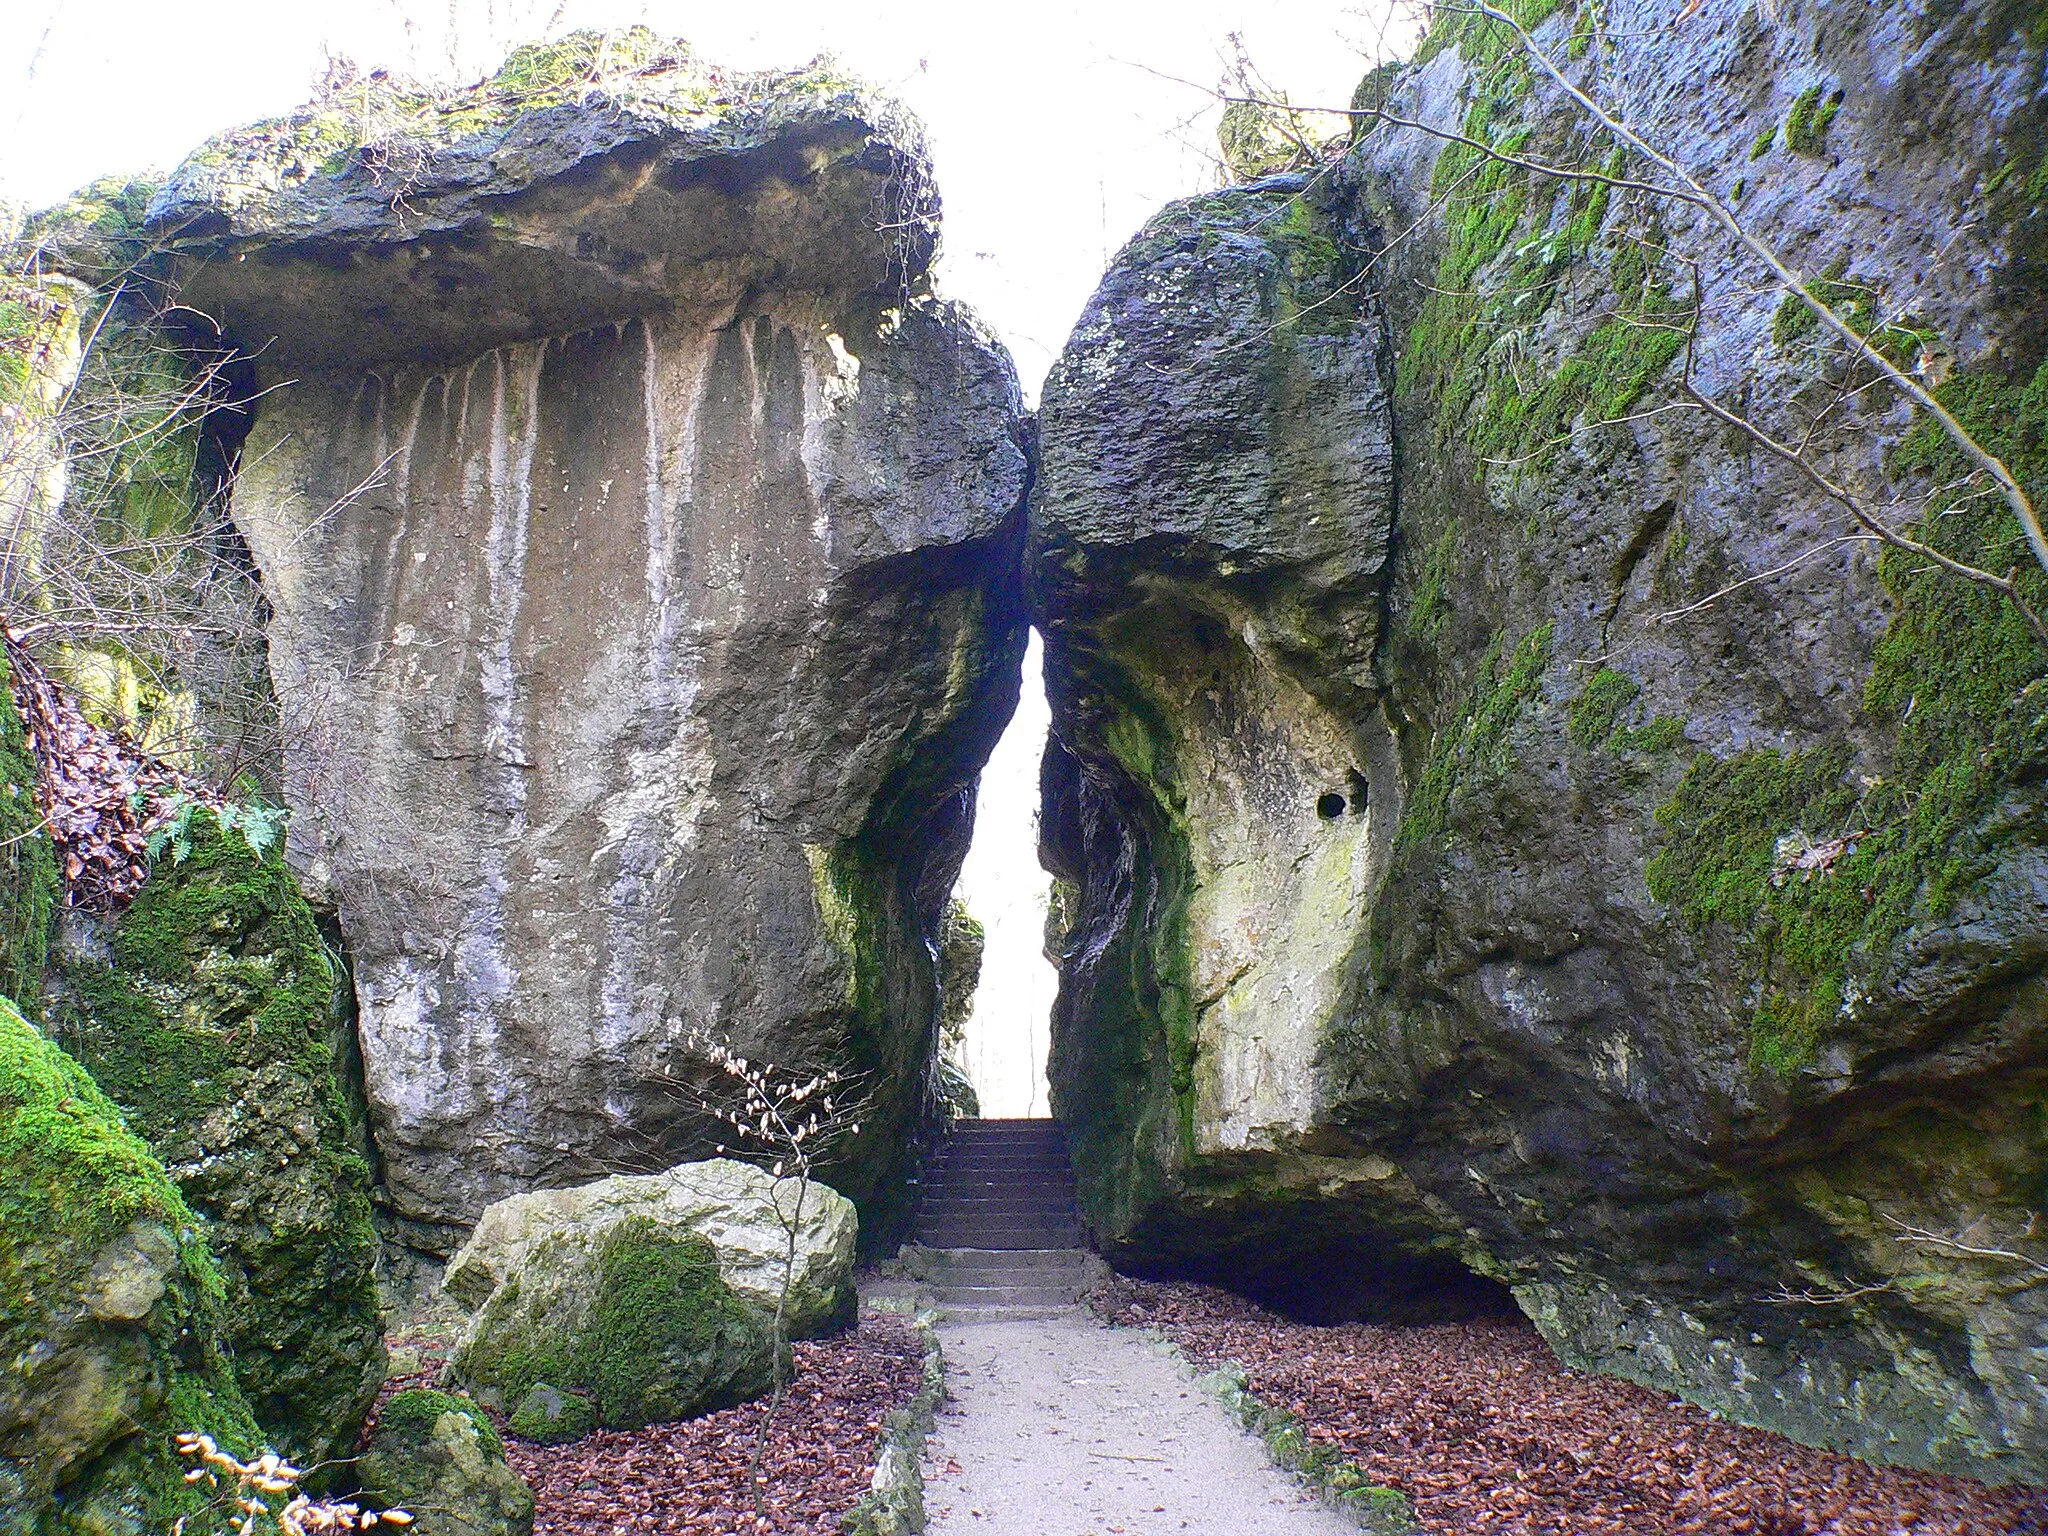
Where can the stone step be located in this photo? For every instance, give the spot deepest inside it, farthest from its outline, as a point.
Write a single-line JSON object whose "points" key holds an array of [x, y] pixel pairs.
{"points": [[1001, 1237], [1001, 1314], [1062, 1263], [1004, 1295], [996, 1205]]}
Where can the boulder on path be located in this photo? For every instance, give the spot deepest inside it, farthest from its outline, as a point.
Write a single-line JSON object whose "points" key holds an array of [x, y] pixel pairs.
{"points": [[437, 1456]]}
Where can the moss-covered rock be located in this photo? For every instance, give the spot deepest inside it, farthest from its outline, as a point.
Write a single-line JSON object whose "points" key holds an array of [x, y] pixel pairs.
{"points": [[547, 1415], [437, 1456], [112, 1311], [29, 887], [207, 1019], [634, 1314]]}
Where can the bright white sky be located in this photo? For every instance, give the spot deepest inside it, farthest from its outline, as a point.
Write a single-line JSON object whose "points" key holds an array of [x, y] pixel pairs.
{"points": [[1057, 128]]}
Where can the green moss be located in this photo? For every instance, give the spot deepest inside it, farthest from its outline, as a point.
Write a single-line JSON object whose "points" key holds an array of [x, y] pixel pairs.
{"points": [[414, 1412], [574, 1417], [1596, 712], [1371, 94], [1761, 144], [1961, 680], [29, 887], [1806, 125], [583, 57], [74, 1182], [1506, 257], [1431, 610], [211, 1030], [1474, 752], [1480, 38], [662, 1336], [661, 1306]]}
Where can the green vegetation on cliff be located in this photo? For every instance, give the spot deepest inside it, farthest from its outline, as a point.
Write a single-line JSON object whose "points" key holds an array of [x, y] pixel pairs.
{"points": [[1961, 679], [210, 1028], [1477, 348], [1473, 750]]}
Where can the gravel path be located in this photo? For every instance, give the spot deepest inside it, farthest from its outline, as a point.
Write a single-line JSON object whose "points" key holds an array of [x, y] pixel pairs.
{"points": [[1065, 1427]]}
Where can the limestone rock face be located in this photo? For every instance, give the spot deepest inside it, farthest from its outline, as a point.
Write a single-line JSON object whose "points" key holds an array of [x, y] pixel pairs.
{"points": [[1589, 1001], [640, 536], [111, 1320], [738, 1208], [436, 1456], [1209, 531]]}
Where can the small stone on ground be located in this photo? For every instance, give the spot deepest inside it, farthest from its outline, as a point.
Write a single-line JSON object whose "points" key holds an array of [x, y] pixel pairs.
{"points": [[1064, 1427]]}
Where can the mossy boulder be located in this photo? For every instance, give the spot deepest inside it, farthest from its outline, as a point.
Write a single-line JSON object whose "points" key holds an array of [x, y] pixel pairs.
{"points": [[549, 1416], [437, 1456], [739, 1209], [113, 1325], [632, 1314], [206, 1016]]}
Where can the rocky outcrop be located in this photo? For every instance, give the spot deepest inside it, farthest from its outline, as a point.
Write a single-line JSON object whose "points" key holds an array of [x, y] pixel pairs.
{"points": [[111, 1318], [640, 538], [1554, 850], [206, 1013], [740, 1210], [437, 1457]]}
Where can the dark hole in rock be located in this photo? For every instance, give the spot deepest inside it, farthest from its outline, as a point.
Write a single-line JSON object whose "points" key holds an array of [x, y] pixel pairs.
{"points": [[1330, 806], [1351, 1287], [1336, 1277]]}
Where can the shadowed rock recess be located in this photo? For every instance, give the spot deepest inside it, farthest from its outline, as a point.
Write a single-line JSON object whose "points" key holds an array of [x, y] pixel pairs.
{"points": [[640, 535], [1421, 931]]}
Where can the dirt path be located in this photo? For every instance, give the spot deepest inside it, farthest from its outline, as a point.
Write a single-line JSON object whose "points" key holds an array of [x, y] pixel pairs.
{"points": [[1066, 1427]]}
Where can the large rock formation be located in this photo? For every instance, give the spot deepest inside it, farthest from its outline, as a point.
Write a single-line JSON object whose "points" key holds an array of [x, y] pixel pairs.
{"points": [[1555, 849], [640, 535]]}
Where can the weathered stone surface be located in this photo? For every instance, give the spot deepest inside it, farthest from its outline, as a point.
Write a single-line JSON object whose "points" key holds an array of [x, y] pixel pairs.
{"points": [[205, 1012], [1727, 1136], [1208, 535], [640, 535], [738, 1208], [111, 1317], [436, 1456], [633, 1315], [591, 179]]}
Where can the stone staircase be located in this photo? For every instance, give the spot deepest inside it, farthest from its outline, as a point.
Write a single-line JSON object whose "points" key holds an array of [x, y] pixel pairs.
{"points": [[997, 1235]]}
